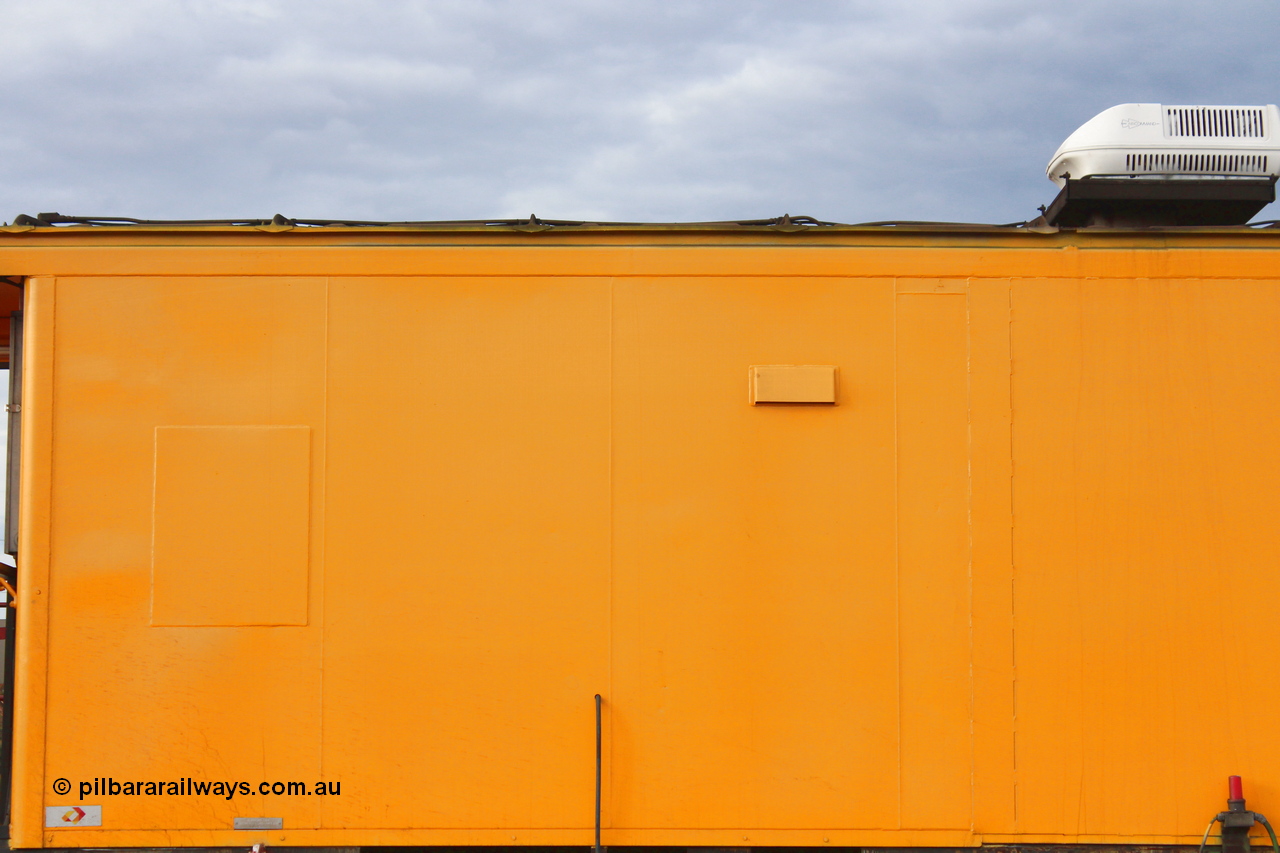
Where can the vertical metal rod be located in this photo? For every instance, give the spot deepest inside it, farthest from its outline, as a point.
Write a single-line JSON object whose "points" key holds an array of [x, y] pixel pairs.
{"points": [[598, 764]]}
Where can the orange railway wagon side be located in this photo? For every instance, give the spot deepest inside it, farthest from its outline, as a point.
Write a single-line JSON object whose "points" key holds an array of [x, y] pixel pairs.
{"points": [[329, 537]]}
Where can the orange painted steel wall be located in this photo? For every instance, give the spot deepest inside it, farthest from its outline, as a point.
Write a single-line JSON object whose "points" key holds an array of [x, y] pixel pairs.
{"points": [[997, 593]]}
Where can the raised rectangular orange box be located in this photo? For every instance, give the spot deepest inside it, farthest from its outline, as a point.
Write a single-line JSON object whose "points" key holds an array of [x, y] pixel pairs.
{"points": [[793, 383]]}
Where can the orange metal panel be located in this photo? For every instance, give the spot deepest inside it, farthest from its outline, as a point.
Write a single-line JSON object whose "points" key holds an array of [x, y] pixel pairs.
{"points": [[126, 700], [467, 616], [1145, 547], [991, 508], [933, 597], [231, 512], [915, 255], [986, 597], [755, 663]]}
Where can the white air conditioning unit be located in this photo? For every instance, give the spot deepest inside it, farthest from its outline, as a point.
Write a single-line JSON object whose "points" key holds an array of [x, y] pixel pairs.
{"points": [[1158, 140]]}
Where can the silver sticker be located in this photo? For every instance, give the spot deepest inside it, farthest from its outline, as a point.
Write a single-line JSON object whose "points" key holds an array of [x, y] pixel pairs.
{"points": [[66, 817], [259, 823]]}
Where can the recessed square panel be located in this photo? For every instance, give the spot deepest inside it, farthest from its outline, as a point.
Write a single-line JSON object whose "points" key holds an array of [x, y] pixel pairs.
{"points": [[230, 529], [793, 383]]}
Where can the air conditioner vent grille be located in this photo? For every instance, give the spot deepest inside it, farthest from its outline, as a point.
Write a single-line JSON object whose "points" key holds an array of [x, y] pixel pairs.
{"points": [[1222, 122], [1197, 164]]}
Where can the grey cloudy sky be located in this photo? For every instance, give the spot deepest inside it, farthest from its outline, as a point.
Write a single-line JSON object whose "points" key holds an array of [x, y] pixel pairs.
{"points": [[848, 111]]}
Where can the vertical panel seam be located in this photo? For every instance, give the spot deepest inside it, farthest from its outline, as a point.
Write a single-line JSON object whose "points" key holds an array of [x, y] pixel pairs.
{"points": [[897, 546], [968, 343], [1013, 585], [607, 817], [324, 527]]}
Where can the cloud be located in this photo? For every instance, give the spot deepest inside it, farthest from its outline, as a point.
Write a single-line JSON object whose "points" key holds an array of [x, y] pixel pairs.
{"points": [[645, 111]]}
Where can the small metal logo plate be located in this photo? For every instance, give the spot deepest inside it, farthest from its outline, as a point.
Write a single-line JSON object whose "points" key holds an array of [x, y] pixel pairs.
{"points": [[259, 823], [68, 817]]}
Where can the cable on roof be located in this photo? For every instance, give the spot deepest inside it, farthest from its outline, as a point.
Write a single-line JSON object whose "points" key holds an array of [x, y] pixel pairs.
{"points": [[786, 221]]}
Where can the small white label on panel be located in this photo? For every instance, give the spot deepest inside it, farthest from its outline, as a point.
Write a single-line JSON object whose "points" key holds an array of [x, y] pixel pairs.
{"points": [[259, 823], [67, 816]]}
